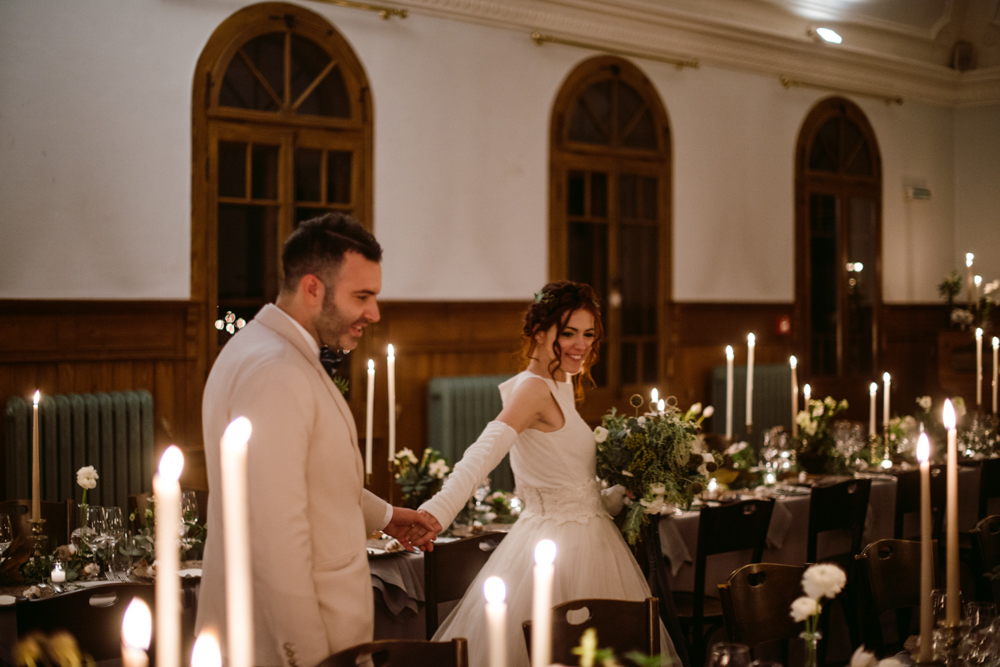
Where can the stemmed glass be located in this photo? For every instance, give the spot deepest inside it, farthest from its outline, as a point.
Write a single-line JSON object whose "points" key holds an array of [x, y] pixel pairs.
{"points": [[95, 531], [6, 534], [189, 514], [114, 523], [728, 654]]}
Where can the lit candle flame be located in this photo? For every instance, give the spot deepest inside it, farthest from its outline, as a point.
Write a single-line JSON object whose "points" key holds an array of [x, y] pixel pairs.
{"points": [[729, 352], [996, 342], [137, 625], [392, 352], [751, 339], [978, 280], [807, 391], [873, 388], [654, 395], [371, 364], [38, 396], [237, 433], [545, 552], [206, 651], [886, 377], [660, 405], [923, 448], [948, 415], [793, 362], [979, 334], [172, 463], [494, 590], [968, 258]]}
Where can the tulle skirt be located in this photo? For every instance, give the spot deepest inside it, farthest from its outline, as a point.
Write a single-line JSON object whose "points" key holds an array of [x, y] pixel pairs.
{"points": [[592, 561]]}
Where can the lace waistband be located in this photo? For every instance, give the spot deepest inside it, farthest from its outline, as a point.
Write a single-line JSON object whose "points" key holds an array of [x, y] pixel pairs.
{"points": [[563, 503]]}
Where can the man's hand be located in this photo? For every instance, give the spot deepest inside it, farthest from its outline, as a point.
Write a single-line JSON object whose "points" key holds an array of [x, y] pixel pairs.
{"points": [[412, 528]]}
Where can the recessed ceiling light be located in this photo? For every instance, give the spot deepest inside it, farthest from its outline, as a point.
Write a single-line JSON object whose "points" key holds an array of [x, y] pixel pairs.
{"points": [[829, 35]]}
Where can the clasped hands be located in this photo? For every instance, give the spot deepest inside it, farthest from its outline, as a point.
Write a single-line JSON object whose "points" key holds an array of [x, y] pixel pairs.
{"points": [[413, 528]]}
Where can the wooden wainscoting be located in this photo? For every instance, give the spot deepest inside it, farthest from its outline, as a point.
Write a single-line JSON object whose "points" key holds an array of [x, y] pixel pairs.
{"points": [[86, 346], [62, 347]]}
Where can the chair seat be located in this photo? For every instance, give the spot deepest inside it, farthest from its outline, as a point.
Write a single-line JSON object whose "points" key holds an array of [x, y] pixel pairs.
{"points": [[685, 606]]}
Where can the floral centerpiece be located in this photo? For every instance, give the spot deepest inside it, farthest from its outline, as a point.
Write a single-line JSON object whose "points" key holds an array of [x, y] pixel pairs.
{"points": [[977, 311], [818, 582], [504, 507], [657, 457], [420, 478], [816, 448]]}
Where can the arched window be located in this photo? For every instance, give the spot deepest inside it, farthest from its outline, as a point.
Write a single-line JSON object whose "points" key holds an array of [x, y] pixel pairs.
{"points": [[282, 132], [838, 241], [610, 213]]}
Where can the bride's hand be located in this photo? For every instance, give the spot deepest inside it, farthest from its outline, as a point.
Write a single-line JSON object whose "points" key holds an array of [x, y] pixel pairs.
{"points": [[433, 523]]}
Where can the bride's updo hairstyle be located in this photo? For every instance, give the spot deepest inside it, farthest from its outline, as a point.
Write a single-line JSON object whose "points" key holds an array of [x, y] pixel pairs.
{"points": [[554, 305]]}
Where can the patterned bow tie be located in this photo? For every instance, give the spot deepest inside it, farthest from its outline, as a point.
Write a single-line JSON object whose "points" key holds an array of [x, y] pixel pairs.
{"points": [[331, 360]]}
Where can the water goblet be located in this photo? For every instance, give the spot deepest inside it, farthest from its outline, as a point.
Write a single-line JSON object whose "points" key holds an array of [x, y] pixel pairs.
{"points": [[729, 654], [114, 524], [980, 615]]}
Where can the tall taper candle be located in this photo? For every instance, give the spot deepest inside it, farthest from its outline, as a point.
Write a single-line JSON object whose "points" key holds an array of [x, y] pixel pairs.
{"points": [[729, 392], [236, 540], [167, 490], [926, 552], [996, 379], [872, 391], [793, 362], [886, 384], [541, 604], [751, 344], [137, 629], [969, 279], [979, 368], [36, 466], [369, 416], [391, 372], [952, 608], [496, 620]]}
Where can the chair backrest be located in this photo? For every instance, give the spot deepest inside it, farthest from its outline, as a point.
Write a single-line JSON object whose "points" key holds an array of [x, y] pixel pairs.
{"points": [[92, 615], [986, 535], [890, 578], [908, 498], [450, 569], [58, 516], [622, 625], [989, 485], [404, 653], [838, 506], [756, 600]]}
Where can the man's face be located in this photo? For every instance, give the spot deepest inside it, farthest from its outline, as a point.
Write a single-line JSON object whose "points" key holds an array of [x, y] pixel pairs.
{"points": [[349, 304]]}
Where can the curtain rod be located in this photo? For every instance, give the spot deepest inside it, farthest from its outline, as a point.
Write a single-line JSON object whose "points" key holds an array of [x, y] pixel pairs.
{"points": [[383, 11], [540, 39], [794, 83]]}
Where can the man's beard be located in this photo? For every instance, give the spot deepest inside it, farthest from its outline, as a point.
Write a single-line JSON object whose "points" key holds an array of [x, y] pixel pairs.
{"points": [[333, 328]]}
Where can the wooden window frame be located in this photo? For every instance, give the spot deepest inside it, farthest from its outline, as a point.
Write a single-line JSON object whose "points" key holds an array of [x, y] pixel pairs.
{"points": [[210, 121], [566, 155], [809, 182]]}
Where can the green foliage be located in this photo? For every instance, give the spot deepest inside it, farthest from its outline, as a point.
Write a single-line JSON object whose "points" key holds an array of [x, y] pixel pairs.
{"points": [[950, 286], [653, 456], [816, 449], [420, 479]]}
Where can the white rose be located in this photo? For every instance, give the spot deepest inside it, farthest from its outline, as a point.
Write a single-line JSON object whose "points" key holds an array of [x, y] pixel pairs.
{"points": [[641, 421], [87, 477], [600, 434], [823, 580], [925, 403], [656, 506], [803, 418], [438, 469], [811, 428], [817, 410], [863, 658], [803, 608], [709, 411]]}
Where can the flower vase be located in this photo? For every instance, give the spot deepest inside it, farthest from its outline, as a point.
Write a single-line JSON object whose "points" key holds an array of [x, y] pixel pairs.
{"points": [[811, 640], [76, 537]]}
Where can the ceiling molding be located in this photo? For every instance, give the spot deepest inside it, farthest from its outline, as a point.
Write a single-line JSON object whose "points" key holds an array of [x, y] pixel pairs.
{"points": [[665, 31]]}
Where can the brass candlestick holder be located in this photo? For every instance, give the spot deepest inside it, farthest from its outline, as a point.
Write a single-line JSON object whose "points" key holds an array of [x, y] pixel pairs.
{"points": [[38, 537]]}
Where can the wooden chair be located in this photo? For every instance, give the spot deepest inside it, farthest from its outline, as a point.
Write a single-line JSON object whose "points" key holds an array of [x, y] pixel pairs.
{"points": [[450, 569], [59, 519], [404, 653], [908, 499], [756, 601], [986, 543], [740, 526], [890, 579], [92, 615], [623, 625], [989, 485]]}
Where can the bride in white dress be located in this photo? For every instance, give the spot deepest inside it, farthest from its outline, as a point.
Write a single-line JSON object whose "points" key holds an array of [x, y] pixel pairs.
{"points": [[553, 455]]}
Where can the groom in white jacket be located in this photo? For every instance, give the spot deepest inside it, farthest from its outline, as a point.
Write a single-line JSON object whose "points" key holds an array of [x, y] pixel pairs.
{"points": [[309, 511]]}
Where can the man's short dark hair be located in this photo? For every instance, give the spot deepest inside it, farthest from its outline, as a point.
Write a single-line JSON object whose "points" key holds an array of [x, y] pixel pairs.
{"points": [[318, 246]]}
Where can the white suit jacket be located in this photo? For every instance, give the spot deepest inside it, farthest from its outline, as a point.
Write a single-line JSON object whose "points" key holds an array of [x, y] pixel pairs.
{"points": [[309, 511]]}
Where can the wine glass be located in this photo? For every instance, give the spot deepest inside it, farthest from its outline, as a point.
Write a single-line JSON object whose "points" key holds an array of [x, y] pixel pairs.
{"points": [[729, 654], [95, 530], [189, 507], [114, 524], [6, 534]]}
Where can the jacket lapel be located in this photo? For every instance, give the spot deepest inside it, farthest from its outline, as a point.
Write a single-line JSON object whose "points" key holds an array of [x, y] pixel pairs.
{"points": [[278, 322]]}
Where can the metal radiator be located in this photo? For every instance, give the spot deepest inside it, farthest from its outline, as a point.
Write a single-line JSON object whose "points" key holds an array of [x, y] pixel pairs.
{"points": [[458, 409], [772, 400], [111, 431]]}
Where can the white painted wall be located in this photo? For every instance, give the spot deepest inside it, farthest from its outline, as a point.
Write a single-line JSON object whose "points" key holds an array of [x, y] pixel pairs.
{"points": [[95, 123]]}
